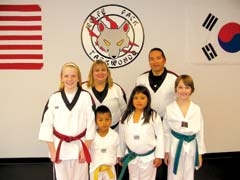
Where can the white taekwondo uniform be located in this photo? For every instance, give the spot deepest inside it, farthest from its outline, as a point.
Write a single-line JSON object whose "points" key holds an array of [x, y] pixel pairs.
{"points": [[142, 138], [193, 124], [69, 119], [104, 152], [164, 94], [114, 98]]}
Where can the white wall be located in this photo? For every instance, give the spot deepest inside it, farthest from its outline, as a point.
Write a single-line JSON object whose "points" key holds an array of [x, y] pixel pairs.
{"points": [[24, 92]]}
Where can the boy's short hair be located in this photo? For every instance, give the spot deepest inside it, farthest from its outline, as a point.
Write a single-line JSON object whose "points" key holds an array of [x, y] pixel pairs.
{"points": [[102, 109]]}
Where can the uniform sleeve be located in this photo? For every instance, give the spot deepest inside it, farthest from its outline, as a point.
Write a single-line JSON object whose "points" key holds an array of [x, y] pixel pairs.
{"points": [[158, 128], [119, 152], [46, 127], [200, 137], [166, 130], [89, 110], [122, 140], [122, 99]]}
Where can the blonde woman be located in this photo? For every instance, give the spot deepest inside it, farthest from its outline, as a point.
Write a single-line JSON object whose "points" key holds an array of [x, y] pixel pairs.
{"points": [[106, 92]]}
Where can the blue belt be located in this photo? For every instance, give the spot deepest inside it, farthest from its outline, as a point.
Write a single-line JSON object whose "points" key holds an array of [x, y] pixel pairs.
{"points": [[182, 138], [130, 156]]}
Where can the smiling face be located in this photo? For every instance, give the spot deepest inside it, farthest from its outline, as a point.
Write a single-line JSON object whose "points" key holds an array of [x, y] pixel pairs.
{"points": [[100, 73], [69, 78], [183, 91], [184, 87]]}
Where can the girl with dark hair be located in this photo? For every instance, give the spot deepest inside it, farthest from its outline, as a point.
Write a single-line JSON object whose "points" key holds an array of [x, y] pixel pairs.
{"points": [[141, 136]]}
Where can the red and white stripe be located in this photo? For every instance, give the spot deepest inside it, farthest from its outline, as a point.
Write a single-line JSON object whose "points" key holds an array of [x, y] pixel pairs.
{"points": [[21, 37]]}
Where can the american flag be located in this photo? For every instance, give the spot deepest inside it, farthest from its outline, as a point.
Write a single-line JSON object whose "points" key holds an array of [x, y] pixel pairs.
{"points": [[21, 36]]}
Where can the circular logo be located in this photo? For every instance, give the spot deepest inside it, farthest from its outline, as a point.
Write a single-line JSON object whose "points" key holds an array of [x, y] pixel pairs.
{"points": [[114, 34], [229, 37]]}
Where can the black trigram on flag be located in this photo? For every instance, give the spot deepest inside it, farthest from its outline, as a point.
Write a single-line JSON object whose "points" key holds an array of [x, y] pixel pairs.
{"points": [[208, 24], [210, 21], [209, 51]]}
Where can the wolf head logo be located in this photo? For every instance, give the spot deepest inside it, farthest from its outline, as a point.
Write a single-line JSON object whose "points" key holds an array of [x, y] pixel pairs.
{"points": [[113, 40], [114, 34]]}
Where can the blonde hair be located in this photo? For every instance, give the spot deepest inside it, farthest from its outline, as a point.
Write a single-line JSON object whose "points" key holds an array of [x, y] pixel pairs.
{"points": [[73, 65], [90, 82]]}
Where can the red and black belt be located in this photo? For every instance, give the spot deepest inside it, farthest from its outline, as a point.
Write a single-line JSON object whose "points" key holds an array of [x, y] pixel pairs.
{"points": [[66, 138]]}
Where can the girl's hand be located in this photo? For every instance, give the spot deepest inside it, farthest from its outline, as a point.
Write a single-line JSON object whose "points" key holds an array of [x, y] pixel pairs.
{"points": [[166, 158], [82, 158], [119, 161], [53, 156], [200, 161], [52, 152], [157, 162]]}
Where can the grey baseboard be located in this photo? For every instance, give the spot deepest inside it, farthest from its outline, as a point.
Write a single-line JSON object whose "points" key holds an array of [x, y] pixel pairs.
{"points": [[216, 166]]}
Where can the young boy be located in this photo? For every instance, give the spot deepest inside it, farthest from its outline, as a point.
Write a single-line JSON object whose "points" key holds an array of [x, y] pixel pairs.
{"points": [[105, 149]]}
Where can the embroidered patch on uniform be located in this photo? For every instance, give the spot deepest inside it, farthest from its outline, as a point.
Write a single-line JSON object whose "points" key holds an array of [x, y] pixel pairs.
{"points": [[136, 137], [104, 150], [56, 107], [184, 124]]}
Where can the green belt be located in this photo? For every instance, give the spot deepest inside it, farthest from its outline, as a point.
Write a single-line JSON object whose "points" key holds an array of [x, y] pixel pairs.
{"points": [[182, 138], [130, 156]]}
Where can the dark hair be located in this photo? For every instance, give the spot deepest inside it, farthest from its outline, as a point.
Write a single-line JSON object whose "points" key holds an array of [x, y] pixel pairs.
{"points": [[102, 109], [148, 111], [158, 49]]}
